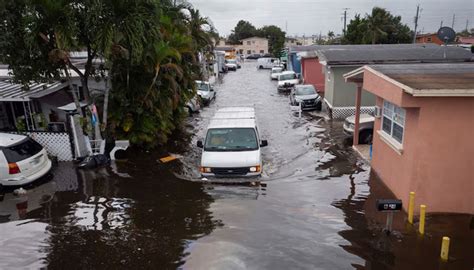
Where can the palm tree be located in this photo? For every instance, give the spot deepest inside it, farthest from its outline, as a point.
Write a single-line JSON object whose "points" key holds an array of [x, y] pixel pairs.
{"points": [[377, 24]]}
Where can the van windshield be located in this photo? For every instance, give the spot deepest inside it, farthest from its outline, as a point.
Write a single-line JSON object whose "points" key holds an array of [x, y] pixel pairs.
{"points": [[202, 86], [231, 139]]}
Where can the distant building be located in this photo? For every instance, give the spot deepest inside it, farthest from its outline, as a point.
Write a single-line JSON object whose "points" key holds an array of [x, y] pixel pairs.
{"points": [[289, 41], [422, 136], [429, 38], [466, 40], [252, 45]]}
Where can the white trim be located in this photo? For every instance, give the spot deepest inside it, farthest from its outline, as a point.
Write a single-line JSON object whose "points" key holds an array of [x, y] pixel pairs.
{"points": [[444, 93], [390, 142], [327, 103]]}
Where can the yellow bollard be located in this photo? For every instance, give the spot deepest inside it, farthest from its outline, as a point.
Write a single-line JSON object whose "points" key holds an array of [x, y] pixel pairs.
{"points": [[421, 228], [411, 207], [445, 248]]}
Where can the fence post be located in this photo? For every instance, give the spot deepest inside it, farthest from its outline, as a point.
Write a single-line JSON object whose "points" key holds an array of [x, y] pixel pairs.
{"points": [[444, 248], [421, 228], [411, 207]]}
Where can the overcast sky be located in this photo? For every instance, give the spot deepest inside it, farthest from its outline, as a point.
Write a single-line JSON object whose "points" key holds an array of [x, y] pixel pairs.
{"points": [[312, 16]]}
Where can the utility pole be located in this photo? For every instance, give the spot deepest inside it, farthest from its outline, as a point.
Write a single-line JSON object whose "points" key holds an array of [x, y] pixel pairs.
{"points": [[416, 22], [454, 18], [467, 24], [286, 26], [441, 24], [345, 20]]}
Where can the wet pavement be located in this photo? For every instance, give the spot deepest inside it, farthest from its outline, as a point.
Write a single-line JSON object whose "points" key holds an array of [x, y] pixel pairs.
{"points": [[315, 210]]}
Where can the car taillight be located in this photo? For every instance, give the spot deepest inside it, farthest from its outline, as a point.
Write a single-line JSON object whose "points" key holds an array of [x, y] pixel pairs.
{"points": [[13, 168]]}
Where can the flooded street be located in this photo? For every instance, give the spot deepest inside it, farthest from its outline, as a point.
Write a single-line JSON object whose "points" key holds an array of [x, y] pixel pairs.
{"points": [[315, 210]]}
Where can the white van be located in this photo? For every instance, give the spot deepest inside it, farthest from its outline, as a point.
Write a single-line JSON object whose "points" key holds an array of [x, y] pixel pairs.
{"points": [[266, 62], [232, 147]]}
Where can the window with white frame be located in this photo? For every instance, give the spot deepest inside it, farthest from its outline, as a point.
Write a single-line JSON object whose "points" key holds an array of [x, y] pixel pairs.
{"points": [[393, 122]]}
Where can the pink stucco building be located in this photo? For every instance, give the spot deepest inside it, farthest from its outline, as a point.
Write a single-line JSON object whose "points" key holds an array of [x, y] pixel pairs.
{"points": [[423, 138]]}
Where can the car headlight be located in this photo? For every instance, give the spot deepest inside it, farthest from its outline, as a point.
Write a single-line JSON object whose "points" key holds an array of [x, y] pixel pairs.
{"points": [[298, 100], [351, 126], [255, 168], [205, 169]]}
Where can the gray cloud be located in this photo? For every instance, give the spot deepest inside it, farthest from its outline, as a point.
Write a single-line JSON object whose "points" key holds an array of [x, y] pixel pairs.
{"points": [[315, 16]]}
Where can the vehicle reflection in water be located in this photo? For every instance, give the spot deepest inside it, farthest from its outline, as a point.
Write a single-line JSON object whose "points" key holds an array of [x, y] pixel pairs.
{"points": [[91, 219]]}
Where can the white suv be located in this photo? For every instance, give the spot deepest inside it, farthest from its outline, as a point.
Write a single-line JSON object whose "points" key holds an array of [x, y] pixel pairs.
{"points": [[22, 160]]}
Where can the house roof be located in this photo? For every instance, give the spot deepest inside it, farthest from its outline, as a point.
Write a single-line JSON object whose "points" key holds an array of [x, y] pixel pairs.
{"points": [[429, 80], [224, 48], [466, 40], [17, 92], [253, 38], [392, 54]]}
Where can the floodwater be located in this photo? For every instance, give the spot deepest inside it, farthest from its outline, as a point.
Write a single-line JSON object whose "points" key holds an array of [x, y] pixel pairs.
{"points": [[315, 210]]}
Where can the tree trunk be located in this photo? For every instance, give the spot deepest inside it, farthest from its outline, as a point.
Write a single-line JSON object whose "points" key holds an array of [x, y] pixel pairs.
{"points": [[106, 107], [74, 96]]}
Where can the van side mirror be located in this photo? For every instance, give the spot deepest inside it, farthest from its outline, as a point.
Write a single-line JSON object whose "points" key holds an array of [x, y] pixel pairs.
{"points": [[199, 144], [212, 89], [264, 143]]}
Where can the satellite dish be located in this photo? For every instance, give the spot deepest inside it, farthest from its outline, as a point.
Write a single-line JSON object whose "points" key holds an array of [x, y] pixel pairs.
{"points": [[446, 34]]}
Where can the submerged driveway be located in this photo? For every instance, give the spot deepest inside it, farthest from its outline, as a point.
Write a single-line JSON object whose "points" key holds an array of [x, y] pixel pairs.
{"points": [[315, 210]]}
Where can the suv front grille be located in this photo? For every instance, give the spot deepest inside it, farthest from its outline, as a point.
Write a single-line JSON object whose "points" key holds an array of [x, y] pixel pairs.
{"points": [[230, 171]]}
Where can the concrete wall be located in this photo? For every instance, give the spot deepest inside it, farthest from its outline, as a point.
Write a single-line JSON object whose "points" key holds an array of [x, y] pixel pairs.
{"points": [[313, 73], [437, 157]]}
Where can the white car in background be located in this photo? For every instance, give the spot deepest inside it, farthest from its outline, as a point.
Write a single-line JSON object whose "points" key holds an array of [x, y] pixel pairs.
{"points": [[287, 80], [205, 91], [276, 71], [231, 64], [22, 160]]}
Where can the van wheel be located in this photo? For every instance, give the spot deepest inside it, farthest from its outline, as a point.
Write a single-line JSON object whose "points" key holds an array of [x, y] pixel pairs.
{"points": [[260, 67], [365, 136]]}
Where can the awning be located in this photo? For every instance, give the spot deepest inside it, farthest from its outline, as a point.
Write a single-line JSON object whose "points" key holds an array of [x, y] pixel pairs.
{"points": [[71, 106], [17, 92]]}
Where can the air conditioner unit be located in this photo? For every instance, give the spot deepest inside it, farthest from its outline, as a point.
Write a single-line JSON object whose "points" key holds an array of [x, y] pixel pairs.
{"points": [[377, 112]]}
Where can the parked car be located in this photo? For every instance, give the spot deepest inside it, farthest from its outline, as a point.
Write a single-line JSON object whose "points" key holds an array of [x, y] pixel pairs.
{"points": [[253, 56], [232, 147], [366, 127], [276, 71], [231, 64], [307, 96], [287, 80], [22, 160], [266, 62], [205, 92], [194, 105]]}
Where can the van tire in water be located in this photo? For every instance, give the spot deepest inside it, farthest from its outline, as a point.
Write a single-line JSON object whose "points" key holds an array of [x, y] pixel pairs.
{"points": [[260, 67]]}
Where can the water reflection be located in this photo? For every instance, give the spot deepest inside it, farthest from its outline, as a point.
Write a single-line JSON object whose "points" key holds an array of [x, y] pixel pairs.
{"points": [[97, 219], [403, 249]]}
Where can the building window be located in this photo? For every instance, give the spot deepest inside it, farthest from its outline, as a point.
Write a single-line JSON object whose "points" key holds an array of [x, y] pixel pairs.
{"points": [[428, 39], [249, 51], [248, 42], [393, 122], [262, 51], [253, 41]]}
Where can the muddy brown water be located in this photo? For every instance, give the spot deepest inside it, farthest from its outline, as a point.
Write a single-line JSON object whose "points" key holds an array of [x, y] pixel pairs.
{"points": [[316, 211]]}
